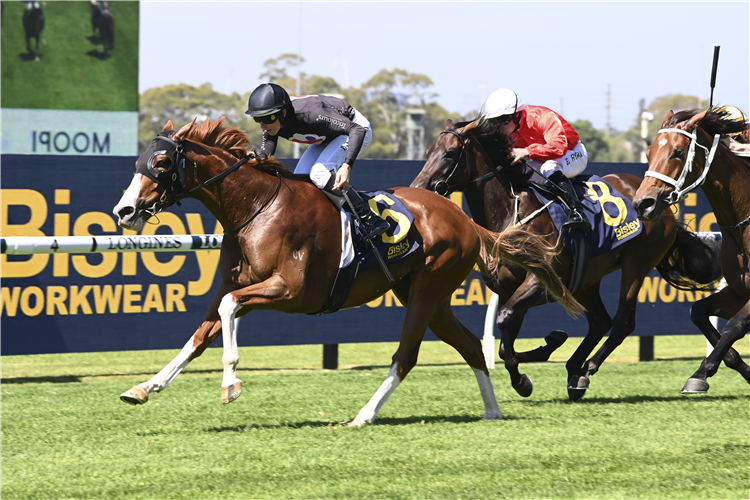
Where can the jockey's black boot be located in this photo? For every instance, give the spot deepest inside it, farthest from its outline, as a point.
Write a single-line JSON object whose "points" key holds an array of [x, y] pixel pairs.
{"points": [[576, 221], [372, 225]]}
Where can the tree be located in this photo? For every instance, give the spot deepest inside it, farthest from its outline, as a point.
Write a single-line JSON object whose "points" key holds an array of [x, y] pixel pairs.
{"points": [[594, 140], [181, 103]]}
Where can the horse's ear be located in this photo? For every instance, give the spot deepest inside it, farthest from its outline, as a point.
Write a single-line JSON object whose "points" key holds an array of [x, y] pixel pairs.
{"points": [[168, 126], [448, 124], [471, 126], [696, 120], [184, 131]]}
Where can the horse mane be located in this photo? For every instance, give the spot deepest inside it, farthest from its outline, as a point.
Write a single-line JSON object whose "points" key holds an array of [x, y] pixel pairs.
{"points": [[714, 122], [498, 148], [234, 141]]}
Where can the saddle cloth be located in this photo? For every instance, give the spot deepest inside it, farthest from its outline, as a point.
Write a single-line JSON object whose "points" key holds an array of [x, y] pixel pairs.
{"points": [[398, 241], [614, 220]]}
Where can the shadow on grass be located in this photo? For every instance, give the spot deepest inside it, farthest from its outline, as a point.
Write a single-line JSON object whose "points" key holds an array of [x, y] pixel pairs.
{"points": [[695, 398], [386, 421], [64, 379]]}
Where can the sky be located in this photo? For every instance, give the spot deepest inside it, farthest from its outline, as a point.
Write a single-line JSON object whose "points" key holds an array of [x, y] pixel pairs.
{"points": [[587, 60]]}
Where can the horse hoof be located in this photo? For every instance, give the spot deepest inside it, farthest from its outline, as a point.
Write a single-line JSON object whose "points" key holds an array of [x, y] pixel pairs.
{"points": [[231, 392], [577, 387], [135, 396], [555, 339], [695, 386], [525, 386]]}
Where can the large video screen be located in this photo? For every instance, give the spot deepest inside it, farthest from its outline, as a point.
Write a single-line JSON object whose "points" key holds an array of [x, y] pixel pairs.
{"points": [[69, 78]]}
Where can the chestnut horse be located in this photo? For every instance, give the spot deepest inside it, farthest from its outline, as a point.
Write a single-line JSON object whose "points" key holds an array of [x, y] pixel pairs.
{"points": [[674, 169], [282, 249], [461, 159]]}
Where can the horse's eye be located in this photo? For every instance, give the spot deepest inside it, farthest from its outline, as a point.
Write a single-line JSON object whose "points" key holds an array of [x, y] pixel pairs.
{"points": [[678, 153], [450, 154], [161, 165]]}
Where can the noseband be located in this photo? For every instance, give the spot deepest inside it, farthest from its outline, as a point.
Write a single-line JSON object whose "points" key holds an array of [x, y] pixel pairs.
{"points": [[678, 193], [443, 187]]}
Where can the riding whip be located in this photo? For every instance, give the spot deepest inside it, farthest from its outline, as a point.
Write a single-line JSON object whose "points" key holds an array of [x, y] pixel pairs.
{"points": [[713, 74]]}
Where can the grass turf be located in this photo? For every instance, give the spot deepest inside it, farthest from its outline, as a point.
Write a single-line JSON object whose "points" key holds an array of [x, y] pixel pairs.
{"points": [[65, 434]]}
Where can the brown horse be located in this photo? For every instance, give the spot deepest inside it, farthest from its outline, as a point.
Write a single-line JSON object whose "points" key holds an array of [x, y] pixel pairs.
{"points": [[282, 249], [674, 169], [463, 158]]}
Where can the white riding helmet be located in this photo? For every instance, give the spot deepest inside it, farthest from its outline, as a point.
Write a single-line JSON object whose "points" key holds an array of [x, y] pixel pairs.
{"points": [[501, 102]]}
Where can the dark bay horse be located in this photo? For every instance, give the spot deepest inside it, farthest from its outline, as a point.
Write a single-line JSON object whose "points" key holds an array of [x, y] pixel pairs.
{"points": [[460, 159], [687, 153], [33, 24], [103, 25], [284, 252]]}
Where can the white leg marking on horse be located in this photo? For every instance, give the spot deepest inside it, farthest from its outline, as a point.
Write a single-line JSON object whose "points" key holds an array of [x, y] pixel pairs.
{"points": [[491, 408], [161, 380], [231, 386], [367, 414]]}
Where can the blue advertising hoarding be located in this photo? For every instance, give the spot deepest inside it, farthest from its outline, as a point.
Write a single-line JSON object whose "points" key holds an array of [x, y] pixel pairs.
{"points": [[131, 301]]}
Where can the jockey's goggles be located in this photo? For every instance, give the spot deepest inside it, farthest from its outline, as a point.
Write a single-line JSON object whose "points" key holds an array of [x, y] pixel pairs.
{"points": [[505, 119], [268, 119]]}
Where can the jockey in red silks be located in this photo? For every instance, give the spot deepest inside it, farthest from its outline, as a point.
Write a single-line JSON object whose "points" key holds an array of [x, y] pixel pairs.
{"points": [[541, 136]]}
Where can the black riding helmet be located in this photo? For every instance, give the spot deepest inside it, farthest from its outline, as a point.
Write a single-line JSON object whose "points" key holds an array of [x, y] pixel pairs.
{"points": [[267, 99]]}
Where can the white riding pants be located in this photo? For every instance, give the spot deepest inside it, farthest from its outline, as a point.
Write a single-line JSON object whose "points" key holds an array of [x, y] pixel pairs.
{"points": [[573, 163], [319, 160]]}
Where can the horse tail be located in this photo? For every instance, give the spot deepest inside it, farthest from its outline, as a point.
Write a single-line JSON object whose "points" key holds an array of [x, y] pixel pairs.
{"points": [[532, 252], [692, 261]]}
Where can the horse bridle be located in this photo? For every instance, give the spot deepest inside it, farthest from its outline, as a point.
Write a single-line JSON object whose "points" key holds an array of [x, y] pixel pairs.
{"points": [[174, 179], [442, 187], [678, 193]]}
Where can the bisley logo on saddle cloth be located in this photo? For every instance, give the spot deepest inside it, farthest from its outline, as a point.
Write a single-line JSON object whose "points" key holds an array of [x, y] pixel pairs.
{"points": [[612, 217]]}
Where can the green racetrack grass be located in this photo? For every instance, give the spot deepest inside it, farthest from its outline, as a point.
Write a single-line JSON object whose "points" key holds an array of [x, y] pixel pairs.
{"points": [[65, 434]]}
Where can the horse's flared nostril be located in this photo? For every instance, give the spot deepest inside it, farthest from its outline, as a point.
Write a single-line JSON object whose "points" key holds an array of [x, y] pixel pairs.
{"points": [[124, 212], [644, 206]]}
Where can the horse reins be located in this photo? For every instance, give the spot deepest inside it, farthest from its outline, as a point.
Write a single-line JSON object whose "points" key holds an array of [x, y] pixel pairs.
{"points": [[442, 187], [678, 193], [178, 190]]}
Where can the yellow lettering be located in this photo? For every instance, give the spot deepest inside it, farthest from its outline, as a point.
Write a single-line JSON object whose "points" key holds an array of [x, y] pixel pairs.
{"points": [[457, 197], [60, 261], [208, 260], [685, 296], [375, 303], [475, 294], [175, 297], [689, 220], [108, 261], [38, 294], [129, 259], [56, 297], [38, 207], [708, 220], [665, 295], [131, 294], [649, 290], [456, 299], [9, 300], [175, 263], [153, 299], [390, 299], [107, 297], [78, 298]]}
